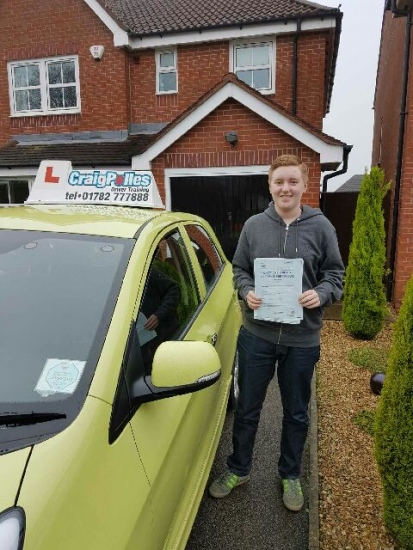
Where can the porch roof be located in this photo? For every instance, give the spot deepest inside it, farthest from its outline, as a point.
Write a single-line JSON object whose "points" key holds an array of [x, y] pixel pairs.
{"points": [[118, 153]]}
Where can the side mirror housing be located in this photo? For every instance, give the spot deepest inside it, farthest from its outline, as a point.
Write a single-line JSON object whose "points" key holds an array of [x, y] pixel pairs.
{"points": [[184, 363], [178, 368]]}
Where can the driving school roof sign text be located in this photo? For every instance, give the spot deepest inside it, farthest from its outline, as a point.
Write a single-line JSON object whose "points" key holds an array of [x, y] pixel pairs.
{"points": [[56, 182]]}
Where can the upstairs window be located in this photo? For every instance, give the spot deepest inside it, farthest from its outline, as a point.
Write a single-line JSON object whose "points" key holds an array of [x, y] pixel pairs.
{"points": [[44, 86], [166, 72], [254, 65]]}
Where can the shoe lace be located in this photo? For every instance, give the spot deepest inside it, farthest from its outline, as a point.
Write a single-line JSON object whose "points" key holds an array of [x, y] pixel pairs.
{"points": [[226, 478], [293, 486]]}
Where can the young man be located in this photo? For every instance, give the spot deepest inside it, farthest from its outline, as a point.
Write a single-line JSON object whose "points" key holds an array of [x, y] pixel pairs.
{"points": [[286, 229]]}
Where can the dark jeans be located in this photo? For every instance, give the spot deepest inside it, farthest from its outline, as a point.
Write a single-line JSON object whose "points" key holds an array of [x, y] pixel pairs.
{"points": [[295, 366]]}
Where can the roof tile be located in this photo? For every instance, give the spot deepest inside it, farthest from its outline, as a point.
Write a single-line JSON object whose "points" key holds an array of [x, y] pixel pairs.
{"points": [[146, 17], [80, 154], [352, 185]]}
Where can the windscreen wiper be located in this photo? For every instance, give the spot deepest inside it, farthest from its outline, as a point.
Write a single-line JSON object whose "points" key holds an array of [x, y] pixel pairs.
{"points": [[21, 419]]}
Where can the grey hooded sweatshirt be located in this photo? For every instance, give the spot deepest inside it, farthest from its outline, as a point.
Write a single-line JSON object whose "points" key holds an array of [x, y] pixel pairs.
{"points": [[310, 237]]}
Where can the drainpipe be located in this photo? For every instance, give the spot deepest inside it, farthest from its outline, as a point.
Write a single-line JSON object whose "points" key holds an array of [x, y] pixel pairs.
{"points": [[399, 162], [295, 68], [346, 153]]}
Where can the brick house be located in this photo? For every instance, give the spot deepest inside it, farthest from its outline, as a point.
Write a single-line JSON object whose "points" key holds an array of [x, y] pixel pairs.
{"points": [[203, 94], [393, 139]]}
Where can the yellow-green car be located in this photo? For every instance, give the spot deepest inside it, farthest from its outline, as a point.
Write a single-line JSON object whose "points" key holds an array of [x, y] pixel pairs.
{"points": [[118, 331]]}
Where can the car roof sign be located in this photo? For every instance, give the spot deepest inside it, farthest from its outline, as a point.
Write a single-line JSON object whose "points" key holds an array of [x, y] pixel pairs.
{"points": [[57, 183]]}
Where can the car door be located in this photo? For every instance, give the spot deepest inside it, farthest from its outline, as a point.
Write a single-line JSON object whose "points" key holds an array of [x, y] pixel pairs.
{"points": [[79, 491], [221, 312], [174, 435]]}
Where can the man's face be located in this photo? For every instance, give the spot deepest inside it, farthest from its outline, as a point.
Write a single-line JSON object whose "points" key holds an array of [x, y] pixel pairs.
{"points": [[286, 187]]}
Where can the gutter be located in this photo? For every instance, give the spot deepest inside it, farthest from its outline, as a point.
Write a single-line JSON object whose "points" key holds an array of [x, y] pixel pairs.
{"points": [[399, 161], [295, 67], [346, 152], [330, 83], [333, 13]]}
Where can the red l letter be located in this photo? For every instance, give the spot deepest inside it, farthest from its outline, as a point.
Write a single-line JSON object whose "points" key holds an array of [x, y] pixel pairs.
{"points": [[49, 177]]}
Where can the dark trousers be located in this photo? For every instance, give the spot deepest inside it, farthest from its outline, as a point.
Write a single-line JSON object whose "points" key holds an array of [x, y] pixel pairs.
{"points": [[295, 367]]}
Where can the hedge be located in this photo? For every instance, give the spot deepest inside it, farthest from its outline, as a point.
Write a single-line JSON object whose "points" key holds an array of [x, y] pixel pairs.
{"points": [[364, 303], [394, 429]]}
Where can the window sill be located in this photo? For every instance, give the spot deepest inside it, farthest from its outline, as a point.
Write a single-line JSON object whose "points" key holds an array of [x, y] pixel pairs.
{"points": [[50, 113], [167, 93]]}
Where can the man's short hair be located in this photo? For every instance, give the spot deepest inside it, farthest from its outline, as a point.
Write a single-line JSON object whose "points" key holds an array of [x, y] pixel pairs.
{"points": [[289, 160]]}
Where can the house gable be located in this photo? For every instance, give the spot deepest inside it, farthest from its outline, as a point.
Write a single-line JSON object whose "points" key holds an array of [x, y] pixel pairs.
{"points": [[329, 150], [203, 150]]}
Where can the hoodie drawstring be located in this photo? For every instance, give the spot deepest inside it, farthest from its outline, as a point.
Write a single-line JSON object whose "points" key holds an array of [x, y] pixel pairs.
{"points": [[296, 237]]}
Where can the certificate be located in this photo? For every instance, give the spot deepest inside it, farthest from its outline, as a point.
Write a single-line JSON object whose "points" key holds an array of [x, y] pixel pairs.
{"points": [[144, 334], [279, 282]]}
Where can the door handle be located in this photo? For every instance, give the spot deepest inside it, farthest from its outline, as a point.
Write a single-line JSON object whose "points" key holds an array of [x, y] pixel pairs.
{"points": [[212, 339]]}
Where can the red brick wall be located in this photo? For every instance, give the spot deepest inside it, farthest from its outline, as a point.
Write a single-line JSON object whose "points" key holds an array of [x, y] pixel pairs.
{"points": [[404, 247], [284, 72], [259, 142], [201, 66], [385, 141], [311, 76], [31, 29]]}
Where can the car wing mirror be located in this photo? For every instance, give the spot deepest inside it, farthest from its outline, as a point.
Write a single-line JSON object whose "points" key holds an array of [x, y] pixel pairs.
{"points": [[178, 368]]}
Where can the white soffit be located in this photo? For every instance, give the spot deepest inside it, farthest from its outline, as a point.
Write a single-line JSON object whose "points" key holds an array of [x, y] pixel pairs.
{"points": [[328, 152], [229, 33]]}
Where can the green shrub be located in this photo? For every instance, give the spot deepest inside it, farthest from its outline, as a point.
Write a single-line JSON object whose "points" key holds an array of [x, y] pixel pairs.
{"points": [[364, 303], [374, 359], [394, 429]]}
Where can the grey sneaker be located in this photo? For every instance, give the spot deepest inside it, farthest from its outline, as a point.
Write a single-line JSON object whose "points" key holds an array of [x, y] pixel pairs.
{"points": [[224, 484], [293, 495]]}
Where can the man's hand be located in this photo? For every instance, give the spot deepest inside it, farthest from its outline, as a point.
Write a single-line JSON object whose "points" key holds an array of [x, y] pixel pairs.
{"points": [[309, 299], [252, 300], [151, 323]]}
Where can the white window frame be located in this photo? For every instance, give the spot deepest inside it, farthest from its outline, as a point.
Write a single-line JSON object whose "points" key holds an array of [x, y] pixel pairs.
{"points": [[244, 44], [44, 86], [172, 69]]}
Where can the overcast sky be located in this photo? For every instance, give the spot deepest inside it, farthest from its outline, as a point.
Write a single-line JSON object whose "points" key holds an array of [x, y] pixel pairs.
{"points": [[351, 109]]}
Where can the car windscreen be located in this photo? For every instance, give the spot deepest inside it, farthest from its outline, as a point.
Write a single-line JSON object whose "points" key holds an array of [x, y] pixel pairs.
{"points": [[57, 296]]}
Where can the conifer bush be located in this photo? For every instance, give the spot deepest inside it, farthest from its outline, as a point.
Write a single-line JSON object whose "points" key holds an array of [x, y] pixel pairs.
{"points": [[394, 429], [364, 302]]}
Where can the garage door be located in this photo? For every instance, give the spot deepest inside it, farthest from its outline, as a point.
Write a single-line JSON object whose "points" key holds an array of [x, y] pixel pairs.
{"points": [[224, 201]]}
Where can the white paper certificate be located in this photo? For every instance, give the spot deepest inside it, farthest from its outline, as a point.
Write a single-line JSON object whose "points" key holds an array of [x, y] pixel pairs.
{"points": [[279, 282]]}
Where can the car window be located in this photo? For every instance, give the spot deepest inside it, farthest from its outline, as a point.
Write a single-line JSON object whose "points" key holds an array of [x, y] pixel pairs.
{"points": [[167, 308], [57, 295], [170, 298], [208, 256]]}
